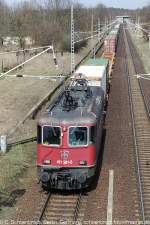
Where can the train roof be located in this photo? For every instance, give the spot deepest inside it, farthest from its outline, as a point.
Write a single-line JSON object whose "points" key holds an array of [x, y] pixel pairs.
{"points": [[70, 118], [84, 109]]}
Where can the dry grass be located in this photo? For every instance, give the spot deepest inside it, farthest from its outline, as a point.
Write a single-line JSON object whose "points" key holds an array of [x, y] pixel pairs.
{"points": [[14, 164], [143, 49]]}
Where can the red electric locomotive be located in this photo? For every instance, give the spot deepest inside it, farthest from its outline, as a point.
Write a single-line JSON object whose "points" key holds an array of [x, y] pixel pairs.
{"points": [[69, 137]]}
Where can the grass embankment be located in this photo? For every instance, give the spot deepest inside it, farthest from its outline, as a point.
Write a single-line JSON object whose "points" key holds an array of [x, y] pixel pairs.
{"points": [[13, 165], [142, 48]]}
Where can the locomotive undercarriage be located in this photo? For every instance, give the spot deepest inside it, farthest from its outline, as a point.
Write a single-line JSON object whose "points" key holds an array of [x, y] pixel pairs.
{"points": [[66, 179]]}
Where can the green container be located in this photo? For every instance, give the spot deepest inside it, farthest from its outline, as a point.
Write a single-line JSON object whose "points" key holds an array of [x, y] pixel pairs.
{"points": [[111, 36], [97, 62], [114, 32]]}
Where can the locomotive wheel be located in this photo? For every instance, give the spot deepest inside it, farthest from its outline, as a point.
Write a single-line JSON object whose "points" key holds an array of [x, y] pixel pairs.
{"points": [[45, 186]]}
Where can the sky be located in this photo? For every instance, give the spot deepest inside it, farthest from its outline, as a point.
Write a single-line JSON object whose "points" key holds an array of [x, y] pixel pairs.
{"points": [[127, 4]]}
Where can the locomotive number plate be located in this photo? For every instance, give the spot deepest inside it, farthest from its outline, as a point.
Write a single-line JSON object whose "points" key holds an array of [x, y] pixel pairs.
{"points": [[64, 162]]}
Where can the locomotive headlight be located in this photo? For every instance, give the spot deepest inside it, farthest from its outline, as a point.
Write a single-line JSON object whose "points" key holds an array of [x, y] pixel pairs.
{"points": [[83, 162], [47, 162]]}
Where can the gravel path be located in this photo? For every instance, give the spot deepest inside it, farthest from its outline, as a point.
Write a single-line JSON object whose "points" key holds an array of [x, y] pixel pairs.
{"points": [[118, 152], [17, 97]]}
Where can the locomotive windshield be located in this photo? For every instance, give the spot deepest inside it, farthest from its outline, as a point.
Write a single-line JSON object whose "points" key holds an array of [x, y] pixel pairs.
{"points": [[51, 135], [78, 136]]}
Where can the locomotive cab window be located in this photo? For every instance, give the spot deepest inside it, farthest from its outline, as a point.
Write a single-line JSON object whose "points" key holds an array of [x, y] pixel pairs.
{"points": [[78, 136], [51, 135], [92, 134]]}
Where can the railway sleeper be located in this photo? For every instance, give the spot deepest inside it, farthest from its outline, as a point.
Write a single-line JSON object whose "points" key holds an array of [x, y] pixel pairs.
{"points": [[62, 214]]}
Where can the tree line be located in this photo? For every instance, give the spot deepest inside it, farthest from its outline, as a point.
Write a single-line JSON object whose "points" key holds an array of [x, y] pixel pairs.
{"points": [[48, 21]]}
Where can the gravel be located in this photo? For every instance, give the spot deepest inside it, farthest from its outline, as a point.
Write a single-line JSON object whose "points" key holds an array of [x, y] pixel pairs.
{"points": [[118, 152]]}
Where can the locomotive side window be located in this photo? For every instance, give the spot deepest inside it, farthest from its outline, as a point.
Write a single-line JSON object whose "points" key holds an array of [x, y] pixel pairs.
{"points": [[78, 136], [51, 135], [92, 134], [39, 134]]}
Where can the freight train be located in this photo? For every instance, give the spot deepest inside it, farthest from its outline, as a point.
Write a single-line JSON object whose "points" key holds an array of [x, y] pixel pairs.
{"points": [[70, 131]]}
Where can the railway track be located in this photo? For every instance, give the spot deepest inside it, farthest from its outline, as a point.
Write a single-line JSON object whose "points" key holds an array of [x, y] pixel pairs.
{"points": [[62, 209], [141, 132], [65, 208]]}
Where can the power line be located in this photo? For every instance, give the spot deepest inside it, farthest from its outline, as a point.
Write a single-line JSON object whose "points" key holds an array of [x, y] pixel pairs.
{"points": [[72, 41], [23, 50], [95, 35], [16, 67]]}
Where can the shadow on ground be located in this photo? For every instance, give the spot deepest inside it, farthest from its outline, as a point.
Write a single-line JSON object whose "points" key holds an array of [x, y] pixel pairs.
{"points": [[11, 199], [99, 164]]}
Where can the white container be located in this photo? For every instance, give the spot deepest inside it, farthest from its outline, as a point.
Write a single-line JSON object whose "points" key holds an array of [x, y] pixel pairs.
{"points": [[3, 143], [96, 75]]}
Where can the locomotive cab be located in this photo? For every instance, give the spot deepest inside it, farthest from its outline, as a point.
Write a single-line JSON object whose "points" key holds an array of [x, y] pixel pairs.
{"points": [[69, 140], [64, 148]]}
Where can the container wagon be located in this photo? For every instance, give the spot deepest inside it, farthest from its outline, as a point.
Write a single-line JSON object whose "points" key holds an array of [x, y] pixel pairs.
{"points": [[111, 40], [96, 72]]}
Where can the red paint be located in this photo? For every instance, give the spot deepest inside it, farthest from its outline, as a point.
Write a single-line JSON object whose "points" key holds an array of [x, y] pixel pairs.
{"points": [[110, 44], [75, 155]]}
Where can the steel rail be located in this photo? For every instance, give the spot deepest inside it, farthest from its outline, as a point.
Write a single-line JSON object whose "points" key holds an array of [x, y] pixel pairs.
{"points": [[135, 136], [43, 209], [136, 149], [141, 88], [145, 99], [77, 208]]}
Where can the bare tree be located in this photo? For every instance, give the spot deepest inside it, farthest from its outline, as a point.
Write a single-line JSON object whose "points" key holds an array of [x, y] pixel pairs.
{"points": [[48, 21]]}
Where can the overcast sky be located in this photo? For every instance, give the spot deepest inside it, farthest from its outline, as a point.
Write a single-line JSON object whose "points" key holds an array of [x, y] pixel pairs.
{"points": [[128, 4]]}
